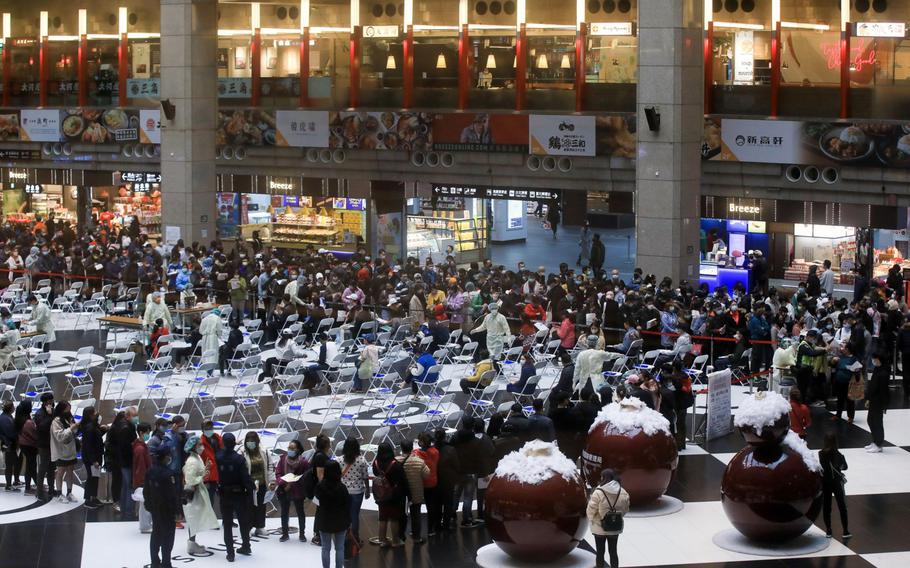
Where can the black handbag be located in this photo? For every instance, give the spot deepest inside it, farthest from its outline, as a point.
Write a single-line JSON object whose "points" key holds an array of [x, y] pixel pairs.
{"points": [[612, 521]]}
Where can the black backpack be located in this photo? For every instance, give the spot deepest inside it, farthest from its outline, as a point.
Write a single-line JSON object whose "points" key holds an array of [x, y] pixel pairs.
{"points": [[612, 521]]}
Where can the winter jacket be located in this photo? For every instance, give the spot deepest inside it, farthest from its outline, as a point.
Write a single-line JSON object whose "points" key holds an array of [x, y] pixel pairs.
{"points": [[92, 444], [430, 456], [448, 467], [298, 467], [28, 435], [334, 512], [415, 471], [8, 436], [142, 461], [599, 505], [63, 441]]}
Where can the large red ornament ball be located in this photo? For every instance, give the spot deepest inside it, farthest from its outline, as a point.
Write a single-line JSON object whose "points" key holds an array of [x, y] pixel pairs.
{"points": [[537, 523], [645, 462], [768, 492]]}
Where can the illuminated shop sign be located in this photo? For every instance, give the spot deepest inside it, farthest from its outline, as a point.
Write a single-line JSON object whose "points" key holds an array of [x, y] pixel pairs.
{"points": [[881, 29], [610, 29], [482, 192], [34, 188], [140, 177], [349, 204], [748, 209], [380, 31]]}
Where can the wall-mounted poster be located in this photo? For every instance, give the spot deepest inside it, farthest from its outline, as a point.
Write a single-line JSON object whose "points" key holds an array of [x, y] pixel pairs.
{"points": [[221, 57], [240, 57]]}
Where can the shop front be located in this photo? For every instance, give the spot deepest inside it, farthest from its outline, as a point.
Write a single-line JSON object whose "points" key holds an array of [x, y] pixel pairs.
{"points": [[292, 213], [795, 235]]}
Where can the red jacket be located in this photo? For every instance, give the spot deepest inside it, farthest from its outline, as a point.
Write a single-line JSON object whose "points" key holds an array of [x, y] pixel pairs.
{"points": [[535, 313], [430, 457], [800, 418], [142, 461], [208, 457]]}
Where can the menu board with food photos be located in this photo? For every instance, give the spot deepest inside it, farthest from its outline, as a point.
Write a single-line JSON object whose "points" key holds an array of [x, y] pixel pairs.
{"points": [[405, 131]]}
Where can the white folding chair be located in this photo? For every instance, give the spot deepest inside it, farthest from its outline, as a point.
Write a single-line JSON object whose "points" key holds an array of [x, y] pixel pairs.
{"points": [[222, 415], [203, 394]]}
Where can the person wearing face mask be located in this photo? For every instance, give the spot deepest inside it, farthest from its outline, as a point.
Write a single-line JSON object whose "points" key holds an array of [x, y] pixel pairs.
{"points": [[175, 439], [46, 467], [263, 476], [197, 508], [141, 458], [878, 396], [162, 499], [497, 327], [63, 450], [292, 492], [41, 319], [92, 453], [235, 488], [9, 339]]}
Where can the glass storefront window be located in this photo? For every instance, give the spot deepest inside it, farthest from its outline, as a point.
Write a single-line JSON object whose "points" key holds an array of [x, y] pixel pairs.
{"points": [[436, 71], [741, 60], [880, 66], [233, 57], [380, 77], [24, 71], [280, 55], [551, 70], [62, 73], [611, 61], [492, 66], [101, 71], [809, 59], [330, 63]]}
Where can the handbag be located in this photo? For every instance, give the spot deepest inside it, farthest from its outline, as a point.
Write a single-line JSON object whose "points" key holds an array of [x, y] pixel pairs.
{"points": [[612, 521], [857, 389]]}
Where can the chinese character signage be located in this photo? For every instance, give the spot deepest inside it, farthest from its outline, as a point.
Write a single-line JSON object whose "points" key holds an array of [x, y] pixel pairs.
{"points": [[557, 135], [34, 188], [855, 143], [140, 177], [38, 125], [302, 128], [234, 87], [143, 88], [485, 192]]}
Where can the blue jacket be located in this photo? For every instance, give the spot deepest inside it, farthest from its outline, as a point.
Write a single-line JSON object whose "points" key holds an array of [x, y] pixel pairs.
{"points": [[233, 476], [759, 329], [426, 360], [175, 443], [7, 430]]}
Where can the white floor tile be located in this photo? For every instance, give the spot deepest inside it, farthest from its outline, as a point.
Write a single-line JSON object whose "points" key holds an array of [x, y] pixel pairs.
{"points": [[888, 559]]}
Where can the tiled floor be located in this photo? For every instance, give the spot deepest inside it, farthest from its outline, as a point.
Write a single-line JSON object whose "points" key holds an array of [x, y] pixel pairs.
{"points": [[878, 501]]}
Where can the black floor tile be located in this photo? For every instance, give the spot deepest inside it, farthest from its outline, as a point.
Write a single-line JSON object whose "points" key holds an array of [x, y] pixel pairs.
{"points": [[879, 523], [697, 478]]}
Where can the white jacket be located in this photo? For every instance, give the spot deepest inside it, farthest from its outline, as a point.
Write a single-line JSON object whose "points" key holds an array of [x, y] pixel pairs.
{"points": [[41, 318], [599, 506], [198, 512]]}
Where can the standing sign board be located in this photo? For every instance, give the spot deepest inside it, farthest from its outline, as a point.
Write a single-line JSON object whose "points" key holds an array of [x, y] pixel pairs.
{"points": [[720, 421]]}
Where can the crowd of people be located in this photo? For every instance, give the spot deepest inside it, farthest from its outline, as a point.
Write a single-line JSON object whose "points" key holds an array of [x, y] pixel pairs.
{"points": [[827, 346]]}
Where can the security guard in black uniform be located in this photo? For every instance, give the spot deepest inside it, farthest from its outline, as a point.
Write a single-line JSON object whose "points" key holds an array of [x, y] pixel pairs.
{"points": [[163, 502], [236, 489]]}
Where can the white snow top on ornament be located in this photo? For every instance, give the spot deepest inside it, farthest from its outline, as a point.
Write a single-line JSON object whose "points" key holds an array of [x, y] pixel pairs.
{"points": [[761, 410], [536, 462], [798, 445], [629, 416]]}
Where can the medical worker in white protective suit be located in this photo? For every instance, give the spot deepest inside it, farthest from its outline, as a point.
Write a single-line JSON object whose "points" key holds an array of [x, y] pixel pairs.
{"points": [[210, 329], [497, 328], [589, 366], [198, 510]]}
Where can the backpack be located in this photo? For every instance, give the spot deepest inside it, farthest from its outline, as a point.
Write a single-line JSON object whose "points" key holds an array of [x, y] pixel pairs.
{"points": [[383, 490], [612, 521]]}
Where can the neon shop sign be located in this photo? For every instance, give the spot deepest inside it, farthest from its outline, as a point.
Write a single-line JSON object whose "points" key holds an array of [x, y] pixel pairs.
{"points": [[858, 60]]}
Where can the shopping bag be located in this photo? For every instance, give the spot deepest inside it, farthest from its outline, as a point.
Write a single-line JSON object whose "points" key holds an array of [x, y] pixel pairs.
{"points": [[104, 486]]}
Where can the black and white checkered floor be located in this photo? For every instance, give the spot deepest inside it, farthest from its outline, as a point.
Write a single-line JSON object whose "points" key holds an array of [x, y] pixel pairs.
{"points": [[878, 500]]}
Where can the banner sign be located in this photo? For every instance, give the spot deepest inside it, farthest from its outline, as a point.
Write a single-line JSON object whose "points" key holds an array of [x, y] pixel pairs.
{"points": [[720, 416], [561, 135], [143, 88], [484, 192], [302, 128], [235, 87], [140, 177], [481, 132], [150, 126], [404, 131], [100, 126], [855, 143], [744, 58], [39, 125]]}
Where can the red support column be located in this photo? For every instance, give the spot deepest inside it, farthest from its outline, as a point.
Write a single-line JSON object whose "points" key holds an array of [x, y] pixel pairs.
{"points": [[407, 68], [709, 67], [122, 68], [7, 84], [82, 70], [464, 78], [580, 47], [845, 72], [255, 67], [521, 67], [304, 68], [43, 55], [355, 67], [775, 70]]}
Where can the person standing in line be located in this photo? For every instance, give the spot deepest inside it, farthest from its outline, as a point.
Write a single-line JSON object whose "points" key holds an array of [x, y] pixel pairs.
{"points": [[46, 468], [236, 489], [800, 417], [257, 462], [430, 456], [9, 442], [608, 504], [123, 440], [161, 500], [141, 462], [447, 480], [584, 245], [416, 472], [833, 479], [198, 510], [846, 368], [63, 450], [28, 444], [292, 462], [389, 488], [334, 514], [877, 398], [356, 478], [317, 465], [826, 280], [92, 454]]}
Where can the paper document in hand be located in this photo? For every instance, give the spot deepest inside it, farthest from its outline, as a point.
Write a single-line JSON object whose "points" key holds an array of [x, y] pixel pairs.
{"points": [[290, 477]]}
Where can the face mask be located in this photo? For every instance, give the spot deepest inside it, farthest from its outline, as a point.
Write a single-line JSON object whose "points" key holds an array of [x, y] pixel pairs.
{"points": [[209, 433], [251, 445], [181, 430], [292, 454], [146, 436], [199, 449]]}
